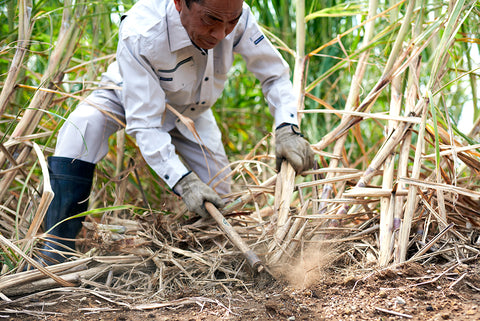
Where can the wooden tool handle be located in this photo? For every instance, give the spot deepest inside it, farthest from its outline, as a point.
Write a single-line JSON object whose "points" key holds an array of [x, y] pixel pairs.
{"points": [[233, 236]]}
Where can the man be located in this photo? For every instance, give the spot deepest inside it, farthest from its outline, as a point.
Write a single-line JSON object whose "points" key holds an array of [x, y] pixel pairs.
{"points": [[175, 52]]}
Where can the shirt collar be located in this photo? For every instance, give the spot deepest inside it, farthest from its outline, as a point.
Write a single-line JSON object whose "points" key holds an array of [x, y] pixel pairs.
{"points": [[177, 35]]}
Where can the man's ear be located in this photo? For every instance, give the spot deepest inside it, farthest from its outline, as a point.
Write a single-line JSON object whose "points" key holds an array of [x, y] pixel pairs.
{"points": [[178, 5]]}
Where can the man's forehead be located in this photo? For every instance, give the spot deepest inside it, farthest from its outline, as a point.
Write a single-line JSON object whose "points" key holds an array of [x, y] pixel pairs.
{"points": [[226, 9]]}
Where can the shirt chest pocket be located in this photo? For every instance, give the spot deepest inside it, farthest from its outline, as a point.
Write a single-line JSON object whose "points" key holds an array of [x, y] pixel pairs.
{"points": [[179, 77]]}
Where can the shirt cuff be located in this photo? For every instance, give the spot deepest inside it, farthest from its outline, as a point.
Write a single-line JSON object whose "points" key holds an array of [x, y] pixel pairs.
{"points": [[177, 189], [171, 171], [289, 117]]}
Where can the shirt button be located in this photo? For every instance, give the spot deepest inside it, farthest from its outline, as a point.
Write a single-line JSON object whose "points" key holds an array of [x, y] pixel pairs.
{"points": [[166, 177], [291, 115], [178, 120], [203, 103], [192, 109], [206, 78]]}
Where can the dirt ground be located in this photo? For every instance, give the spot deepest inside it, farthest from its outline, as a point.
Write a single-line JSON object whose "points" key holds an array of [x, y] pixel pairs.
{"points": [[410, 292]]}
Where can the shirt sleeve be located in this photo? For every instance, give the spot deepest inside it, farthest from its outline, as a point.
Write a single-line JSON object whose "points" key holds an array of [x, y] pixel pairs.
{"points": [[266, 63], [144, 103]]}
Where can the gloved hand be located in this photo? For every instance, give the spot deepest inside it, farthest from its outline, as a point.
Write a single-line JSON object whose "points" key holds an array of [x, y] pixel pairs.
{"points": [[292, 147], [194, 193]]}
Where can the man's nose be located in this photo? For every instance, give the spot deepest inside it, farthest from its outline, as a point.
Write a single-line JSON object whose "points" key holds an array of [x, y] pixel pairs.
{"points": [[219, 33]]}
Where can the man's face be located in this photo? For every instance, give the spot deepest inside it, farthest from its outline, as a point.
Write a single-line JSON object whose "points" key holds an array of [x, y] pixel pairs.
{"points": [[209, 21]]}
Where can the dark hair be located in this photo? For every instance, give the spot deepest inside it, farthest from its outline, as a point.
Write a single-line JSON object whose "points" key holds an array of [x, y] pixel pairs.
{"points": [[188, 2]]}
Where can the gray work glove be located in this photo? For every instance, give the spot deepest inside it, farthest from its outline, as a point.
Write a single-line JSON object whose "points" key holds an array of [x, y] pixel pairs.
{"points": [[194, 193], [292, 147]]}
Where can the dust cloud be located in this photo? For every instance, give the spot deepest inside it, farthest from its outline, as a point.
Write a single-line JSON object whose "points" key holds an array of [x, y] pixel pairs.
{"points": [[309, 267]]}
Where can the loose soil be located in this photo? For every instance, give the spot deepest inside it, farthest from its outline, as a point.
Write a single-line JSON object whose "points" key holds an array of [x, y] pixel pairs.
{"points": [[410, 292]]}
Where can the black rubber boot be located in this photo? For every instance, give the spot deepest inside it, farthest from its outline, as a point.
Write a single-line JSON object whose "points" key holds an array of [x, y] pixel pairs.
{"points": [[71, 181]]}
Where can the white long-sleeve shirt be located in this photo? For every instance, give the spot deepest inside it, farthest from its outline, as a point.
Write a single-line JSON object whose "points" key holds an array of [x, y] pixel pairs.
{"points": [[157, 64]]}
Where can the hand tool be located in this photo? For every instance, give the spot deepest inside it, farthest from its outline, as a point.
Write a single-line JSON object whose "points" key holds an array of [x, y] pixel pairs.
{"points": [[252, 258]]}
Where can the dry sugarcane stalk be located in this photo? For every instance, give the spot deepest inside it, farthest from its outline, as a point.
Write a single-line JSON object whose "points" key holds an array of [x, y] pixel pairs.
{"points": [[18, 279], [284, 239], [442, 186], [404, 233], [440, 196], [279, 234], [386, 229], [296, 241], [374, 192], [300, 61], [411, 97], [281, 253], [283, 193], [47, 197], [10, 281], [452, 149], [121, 186], [387, 203], [343, 178], [72, 278], [286, 178], [25, 27], [380, 115]]}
